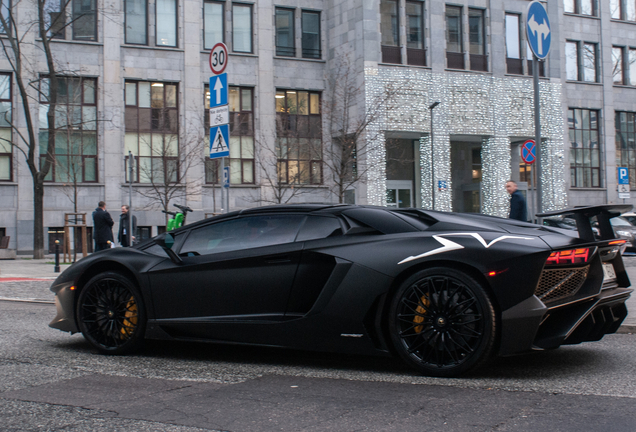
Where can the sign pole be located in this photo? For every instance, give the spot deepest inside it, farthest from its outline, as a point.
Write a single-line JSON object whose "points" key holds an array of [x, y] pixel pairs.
{"points": [[537, 131]]}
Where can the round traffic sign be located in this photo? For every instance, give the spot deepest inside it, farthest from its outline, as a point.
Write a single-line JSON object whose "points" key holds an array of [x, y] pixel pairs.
{"points": [[538, 29], [218, 58], [529, 152]]}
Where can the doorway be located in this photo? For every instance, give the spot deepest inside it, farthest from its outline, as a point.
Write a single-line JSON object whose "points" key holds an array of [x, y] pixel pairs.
{"points": [[400, 172], [466, 175]]}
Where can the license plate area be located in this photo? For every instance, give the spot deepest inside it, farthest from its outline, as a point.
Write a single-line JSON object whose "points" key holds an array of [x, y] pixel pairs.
{"points": [[609, 274]]}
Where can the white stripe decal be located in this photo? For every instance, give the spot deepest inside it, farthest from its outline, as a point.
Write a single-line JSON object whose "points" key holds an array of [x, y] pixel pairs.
{"points": [[449, 245]]}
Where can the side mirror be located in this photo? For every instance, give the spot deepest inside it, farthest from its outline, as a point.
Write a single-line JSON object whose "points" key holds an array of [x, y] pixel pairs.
{"points": [[166, 242]]}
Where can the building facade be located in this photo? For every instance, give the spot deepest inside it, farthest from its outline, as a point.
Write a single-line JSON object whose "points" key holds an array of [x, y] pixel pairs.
{"points": [[135, 80]]}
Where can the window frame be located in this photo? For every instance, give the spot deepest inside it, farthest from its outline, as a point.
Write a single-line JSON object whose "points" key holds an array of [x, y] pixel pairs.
{"points": [[251, 27], [76, 18], [151, 131], [146, 21], [621, 63], [577, 8], [287, 129], [576, 167], [627, 139], [9, 154], [176, 26], [478, 62], [514, 66], [280, 49], [207, 46], [43, 100], [416, 56], [455, 59], [318, 55]]}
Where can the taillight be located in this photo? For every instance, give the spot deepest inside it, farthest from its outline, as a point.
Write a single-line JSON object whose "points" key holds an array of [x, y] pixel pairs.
{"points": [[570, 256]]}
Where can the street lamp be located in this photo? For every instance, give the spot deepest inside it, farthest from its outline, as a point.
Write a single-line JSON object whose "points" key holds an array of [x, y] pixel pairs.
{"points": [[431, 108]]}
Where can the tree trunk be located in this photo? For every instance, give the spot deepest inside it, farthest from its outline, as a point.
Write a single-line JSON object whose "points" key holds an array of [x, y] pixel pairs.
{"points": [[38, 218]]}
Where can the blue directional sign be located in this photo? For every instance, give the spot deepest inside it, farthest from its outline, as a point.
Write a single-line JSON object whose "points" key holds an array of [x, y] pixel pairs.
{"points": [[623, 176], [538, 30], [219, 141], [226, 177], [218, 90]]}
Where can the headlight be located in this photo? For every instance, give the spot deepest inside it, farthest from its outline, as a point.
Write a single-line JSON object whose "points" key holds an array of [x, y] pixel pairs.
{"points": [[624, 233]]}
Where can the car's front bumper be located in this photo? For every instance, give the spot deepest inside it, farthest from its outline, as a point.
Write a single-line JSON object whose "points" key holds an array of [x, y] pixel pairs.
{"points": [[64, 303]]}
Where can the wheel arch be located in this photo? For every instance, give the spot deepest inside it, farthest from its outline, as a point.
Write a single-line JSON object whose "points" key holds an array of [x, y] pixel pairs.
{"points": [[453, 265]]}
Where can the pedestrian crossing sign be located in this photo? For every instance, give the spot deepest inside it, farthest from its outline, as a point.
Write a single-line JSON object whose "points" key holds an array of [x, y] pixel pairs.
{"points": [[219, 141]]}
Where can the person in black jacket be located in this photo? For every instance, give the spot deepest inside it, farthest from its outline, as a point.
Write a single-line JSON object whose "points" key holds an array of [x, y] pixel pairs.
{"points": [[102, 227], [518, 208], [122, 237]]}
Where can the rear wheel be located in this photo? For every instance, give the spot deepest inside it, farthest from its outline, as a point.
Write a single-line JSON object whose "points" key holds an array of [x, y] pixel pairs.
{"points": [[111, 314], [442, 322]]}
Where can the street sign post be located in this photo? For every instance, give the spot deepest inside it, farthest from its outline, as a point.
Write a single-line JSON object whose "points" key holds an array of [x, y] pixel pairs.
{"points": [[220, 117], [529, 152], [539, 36], [623, 183]]}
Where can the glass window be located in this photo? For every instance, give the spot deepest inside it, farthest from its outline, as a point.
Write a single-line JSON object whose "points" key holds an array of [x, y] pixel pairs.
{"points": [[55, 18], [5, 5], [74, 132], [311, 34], [6, 149], [587, 7], [454, 29], [589, 62], [572, 61], [626, 143], [568, 6], [476, 34], [513, 43], [630, 10], [585, 168], [136, 22], [166, 20], [389, 23], [319, 227], [242, 161], [213, 23], [285, 32], [299, 137], [615, 9], [84, 20], [617, 65], [632, 66], [242, 233], [415, 25], [241, 28], [152, 131]]}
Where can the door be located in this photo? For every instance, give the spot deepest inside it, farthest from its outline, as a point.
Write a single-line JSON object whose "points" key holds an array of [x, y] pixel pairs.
{"points": [[399, 193], [241, 268]]}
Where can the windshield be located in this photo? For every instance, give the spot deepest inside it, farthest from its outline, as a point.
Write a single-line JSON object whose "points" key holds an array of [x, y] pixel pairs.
{"points": [[617, 221]]}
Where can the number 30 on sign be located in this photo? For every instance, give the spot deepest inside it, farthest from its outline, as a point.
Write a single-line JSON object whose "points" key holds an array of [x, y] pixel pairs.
{"points": [[218, 58]]}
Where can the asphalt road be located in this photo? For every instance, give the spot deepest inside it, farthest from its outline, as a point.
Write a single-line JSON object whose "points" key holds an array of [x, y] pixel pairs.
{"points": [[52, 381]]}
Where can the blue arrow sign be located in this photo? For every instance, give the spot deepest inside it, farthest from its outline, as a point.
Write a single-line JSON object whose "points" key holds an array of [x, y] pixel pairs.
{"points": [[219, 141], [218, 90], [538, 30], [623, 176]]}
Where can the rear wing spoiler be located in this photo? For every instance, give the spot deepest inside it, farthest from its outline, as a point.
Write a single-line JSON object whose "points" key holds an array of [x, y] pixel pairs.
{"points": [[582, 216]]}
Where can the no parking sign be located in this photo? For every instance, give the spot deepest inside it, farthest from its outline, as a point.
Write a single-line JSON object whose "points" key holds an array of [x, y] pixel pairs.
{"points": [[529, 152]]}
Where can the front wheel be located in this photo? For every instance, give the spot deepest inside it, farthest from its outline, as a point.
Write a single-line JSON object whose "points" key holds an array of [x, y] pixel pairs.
{"points": [[442, 322], [111, 314]]}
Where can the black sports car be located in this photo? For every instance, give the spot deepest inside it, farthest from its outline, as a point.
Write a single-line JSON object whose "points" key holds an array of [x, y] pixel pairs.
{"points": [[443, 291]]}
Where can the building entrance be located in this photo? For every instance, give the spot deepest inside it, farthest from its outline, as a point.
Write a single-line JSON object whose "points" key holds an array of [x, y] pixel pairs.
{"points": [[400, 172], [466, 173]]}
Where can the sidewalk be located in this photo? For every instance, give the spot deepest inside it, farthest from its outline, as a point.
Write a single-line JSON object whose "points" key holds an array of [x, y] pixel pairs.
{"points": [[27, 279]]}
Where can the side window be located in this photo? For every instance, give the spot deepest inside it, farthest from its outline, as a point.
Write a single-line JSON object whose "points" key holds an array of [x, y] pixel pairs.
{"points": [[242, 233], [319, 227]]}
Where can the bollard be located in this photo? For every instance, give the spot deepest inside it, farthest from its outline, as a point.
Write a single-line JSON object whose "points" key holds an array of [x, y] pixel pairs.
{"points": [[56, 269]]}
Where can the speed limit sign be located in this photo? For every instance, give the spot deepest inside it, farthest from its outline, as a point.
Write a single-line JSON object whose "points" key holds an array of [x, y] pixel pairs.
{"points": [[218, 58]]}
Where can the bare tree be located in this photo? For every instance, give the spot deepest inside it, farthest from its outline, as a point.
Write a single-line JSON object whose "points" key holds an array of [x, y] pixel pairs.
{"points": [[48, 22], [165, 169], [348, 117]]}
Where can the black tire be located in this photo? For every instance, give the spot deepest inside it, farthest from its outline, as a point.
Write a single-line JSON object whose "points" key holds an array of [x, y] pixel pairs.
{"points": [[442, 322], [111, 314]]}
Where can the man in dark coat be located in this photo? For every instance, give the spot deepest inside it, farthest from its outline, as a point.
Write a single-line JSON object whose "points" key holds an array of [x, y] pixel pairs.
{"points": [[102, 227], [518, 208], [122, 237]]}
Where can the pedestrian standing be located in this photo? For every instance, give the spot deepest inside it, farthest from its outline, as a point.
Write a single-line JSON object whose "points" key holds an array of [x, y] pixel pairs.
{"points": [[102, 227], [518, 209], [124, 227]]}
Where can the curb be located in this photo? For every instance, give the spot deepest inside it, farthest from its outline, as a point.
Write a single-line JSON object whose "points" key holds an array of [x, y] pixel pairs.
{"points": [[27, 300]]}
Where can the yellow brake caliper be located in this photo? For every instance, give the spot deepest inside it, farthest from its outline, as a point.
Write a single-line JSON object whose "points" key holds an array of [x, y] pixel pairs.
{"points": [[130, 317], [421, 311]]}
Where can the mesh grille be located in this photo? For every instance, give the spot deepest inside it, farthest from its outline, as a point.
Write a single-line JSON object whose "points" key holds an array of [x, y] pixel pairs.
{"points": [[556, 284]]}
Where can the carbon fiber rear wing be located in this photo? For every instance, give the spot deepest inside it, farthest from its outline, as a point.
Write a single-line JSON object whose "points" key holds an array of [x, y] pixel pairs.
{"points": [[583, 215]]}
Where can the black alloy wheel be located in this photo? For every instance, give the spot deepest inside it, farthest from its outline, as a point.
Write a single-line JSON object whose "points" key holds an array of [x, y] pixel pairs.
{"points": [[111, 314], [442, 322]]}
